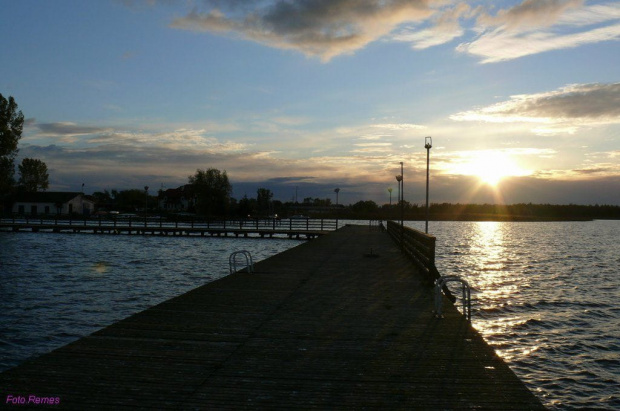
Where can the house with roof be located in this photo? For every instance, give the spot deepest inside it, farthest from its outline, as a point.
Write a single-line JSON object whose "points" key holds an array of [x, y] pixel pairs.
{"points": [[46, 203]]}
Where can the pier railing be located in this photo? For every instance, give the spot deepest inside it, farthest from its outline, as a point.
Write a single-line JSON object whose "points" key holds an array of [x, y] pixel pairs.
{"points": [[164, 224], [420, 247]]}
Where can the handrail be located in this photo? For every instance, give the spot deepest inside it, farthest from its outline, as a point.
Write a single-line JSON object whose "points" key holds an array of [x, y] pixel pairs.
{"points": [[263, 224], [232, 261], [420, 247], [441, 283]]}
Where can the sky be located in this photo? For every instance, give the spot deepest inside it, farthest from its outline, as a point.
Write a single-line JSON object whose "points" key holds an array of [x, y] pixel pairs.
{"points": [[520, 98]]}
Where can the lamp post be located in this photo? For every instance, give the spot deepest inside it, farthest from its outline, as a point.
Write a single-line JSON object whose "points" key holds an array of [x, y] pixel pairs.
{"points": [[399, 178], [390, 191], [337, 190], [146, 202], [402, 196], [428, 143]]}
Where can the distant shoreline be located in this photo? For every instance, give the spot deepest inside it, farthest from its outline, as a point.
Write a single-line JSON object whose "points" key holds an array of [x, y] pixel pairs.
{"points": [[502, 218]]}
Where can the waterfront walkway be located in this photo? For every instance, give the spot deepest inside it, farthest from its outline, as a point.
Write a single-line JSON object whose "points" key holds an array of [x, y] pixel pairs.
{"points": [[340, 322]]}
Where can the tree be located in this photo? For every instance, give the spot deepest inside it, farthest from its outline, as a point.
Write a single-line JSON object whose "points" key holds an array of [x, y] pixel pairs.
{"points": [[263, 200], [212, 191], [369, 208], [33, 175], [246, 207], [129, 200], [11, 127]]}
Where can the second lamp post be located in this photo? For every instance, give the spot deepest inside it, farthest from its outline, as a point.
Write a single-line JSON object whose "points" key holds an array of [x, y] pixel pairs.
{"points": [[428, 143]]}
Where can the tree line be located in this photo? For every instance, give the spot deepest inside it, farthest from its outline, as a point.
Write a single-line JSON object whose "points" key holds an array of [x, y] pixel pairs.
{"points": [[33, 175], [212, 199], [483, 212]]}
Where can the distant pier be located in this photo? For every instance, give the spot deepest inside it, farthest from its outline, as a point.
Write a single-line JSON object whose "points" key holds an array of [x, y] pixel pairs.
{"points": [[291, 227], [342, 322]]}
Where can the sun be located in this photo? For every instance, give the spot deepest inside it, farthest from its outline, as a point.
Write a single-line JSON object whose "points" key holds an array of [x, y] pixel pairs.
{"points": [[490, 167]]}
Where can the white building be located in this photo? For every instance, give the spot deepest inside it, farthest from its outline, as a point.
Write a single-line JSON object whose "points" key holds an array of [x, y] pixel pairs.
{"points": [[42, 203]]}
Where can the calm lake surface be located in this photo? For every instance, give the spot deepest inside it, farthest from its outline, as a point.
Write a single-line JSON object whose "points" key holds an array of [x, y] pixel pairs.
{"points": [[546, 294]]}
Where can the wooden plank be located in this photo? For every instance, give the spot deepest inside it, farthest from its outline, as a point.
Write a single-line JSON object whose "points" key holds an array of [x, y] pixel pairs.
{"points": [[321, 326]]}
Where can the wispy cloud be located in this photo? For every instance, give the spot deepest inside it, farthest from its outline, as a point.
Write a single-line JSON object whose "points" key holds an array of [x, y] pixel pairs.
{"points": [[444, 26], [537, 26], [563, 110], [529, 14], [85, 136], [68, 129], [66, 132], [399, 126]]}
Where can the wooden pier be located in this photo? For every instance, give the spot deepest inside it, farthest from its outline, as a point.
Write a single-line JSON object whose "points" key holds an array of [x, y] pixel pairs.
{"points": [[291, 228], [341, 322]]}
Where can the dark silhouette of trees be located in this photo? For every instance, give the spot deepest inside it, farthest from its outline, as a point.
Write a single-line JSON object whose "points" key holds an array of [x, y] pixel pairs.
{"points": [[130, 200], [33, 175], [103, 199], [212, 191], [246, 207], [518, 212], [368, 208], [263, 201], [11, 127]]}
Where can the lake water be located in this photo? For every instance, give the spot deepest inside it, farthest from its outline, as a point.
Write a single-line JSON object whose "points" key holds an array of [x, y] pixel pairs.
{"points": [[546, 297], [545, 294], [56, 288]]}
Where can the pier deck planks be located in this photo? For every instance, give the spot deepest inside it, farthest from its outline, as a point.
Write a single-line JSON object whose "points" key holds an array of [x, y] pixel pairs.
{"points": [[320, 326]]}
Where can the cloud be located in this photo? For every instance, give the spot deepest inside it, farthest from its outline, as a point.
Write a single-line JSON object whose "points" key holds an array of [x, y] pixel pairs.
{"points": [[290, 180], [321, 28], [562, 110], [537, 26], [530, 13], [85, 135], [68, 129], [329, 28], [399, 126], [445, 27], [374, 147], [600, 163], [501, 46]]}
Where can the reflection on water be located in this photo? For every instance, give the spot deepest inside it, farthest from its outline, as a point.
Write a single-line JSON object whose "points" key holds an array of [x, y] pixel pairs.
{"points": [[100, 267], [545, 297], [487, 244]]}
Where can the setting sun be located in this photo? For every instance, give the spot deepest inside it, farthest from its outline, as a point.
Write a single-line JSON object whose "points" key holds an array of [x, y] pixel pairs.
{"points": [[490, 167]]}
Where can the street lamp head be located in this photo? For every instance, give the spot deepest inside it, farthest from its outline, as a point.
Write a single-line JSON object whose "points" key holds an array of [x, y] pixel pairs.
{"points": [[146, 188], [399, 178], [428, 142]]}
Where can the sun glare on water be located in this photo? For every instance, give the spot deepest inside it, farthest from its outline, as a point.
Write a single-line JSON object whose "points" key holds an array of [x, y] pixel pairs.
{"points": [[491, 167]]}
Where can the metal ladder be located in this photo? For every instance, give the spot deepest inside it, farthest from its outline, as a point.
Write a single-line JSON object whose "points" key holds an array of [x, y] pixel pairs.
{"points": [[232, 261], [466, 294]]}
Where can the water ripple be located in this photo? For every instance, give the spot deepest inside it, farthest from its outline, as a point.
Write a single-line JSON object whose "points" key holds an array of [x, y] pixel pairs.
{"points": [[58, 288], [547, 300]]}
